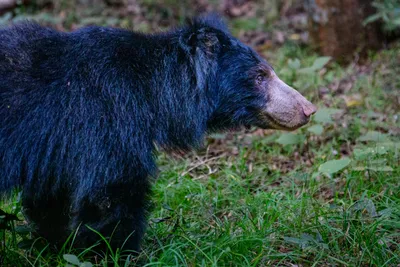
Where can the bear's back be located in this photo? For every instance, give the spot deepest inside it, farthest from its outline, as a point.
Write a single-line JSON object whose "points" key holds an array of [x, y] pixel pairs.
{"points": [[61, 90]]}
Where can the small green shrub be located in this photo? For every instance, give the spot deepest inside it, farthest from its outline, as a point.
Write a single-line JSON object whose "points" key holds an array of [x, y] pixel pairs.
{"points": [[388, 11]]}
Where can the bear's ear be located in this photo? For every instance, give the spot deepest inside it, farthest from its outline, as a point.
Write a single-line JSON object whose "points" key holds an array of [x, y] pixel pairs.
{"points": [[202, 34], [200, 40]]}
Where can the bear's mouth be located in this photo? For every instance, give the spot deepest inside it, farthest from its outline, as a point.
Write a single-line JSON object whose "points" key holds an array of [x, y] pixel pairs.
{"points": [[269, 122]]}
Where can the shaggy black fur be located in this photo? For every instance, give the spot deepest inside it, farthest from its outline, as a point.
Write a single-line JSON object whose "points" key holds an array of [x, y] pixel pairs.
{"points": [[81, 114]]}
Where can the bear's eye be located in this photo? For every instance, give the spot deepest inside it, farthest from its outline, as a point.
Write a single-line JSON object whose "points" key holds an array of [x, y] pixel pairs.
{"points": [[259, 79]]}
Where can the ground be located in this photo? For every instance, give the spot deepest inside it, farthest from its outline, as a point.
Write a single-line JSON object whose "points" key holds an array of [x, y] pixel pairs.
{"points": [[269, 198]]}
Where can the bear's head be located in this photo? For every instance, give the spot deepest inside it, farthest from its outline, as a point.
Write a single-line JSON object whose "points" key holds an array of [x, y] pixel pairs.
{"points": [[245, 87], [250, 92]]}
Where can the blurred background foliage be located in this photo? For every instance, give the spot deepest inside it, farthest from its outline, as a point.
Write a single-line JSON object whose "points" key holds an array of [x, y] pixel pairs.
{"points": [[363, 24]]}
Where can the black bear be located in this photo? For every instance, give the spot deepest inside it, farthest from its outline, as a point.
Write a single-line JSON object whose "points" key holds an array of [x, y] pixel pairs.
{"points": [[82, 113]]}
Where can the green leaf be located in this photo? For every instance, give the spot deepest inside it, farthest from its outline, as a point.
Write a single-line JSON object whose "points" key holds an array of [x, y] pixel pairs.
{"points": [[316, 129], [372, 18], [333, 166], [384, 147], [290, 139], [379, 149], [294, 64], [320, 62], [86, 264], [72, 259], [381, 169], [377, 162], [375, 169], [362, 154], [269, 139], [373, 136], [323, 115], [308, 70], [365, 204]]}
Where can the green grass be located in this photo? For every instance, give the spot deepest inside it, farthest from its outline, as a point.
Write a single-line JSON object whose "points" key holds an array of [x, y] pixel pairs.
{"points": [[246, 200]]}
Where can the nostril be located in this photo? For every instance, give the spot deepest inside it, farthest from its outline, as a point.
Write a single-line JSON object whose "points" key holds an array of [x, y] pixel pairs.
{"points": [[309, 109]]}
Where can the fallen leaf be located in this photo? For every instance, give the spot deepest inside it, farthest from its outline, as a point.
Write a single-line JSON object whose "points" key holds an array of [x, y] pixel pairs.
{"points": [[353, 100]]}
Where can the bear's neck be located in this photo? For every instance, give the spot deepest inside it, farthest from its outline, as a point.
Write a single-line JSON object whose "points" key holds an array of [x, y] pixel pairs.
{"points": [[183, 102]]}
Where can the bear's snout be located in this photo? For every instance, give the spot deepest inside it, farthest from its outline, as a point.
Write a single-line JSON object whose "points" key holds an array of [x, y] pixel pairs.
{"points": [[286, 108], [309, 109]]}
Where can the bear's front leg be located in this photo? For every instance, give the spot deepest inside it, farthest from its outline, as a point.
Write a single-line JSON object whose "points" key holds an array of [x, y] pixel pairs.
{"points": [[48, 210], [117, 211]]}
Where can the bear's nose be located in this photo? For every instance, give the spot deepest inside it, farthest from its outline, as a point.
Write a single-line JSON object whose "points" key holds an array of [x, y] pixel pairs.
{"points": [[309, 109]]}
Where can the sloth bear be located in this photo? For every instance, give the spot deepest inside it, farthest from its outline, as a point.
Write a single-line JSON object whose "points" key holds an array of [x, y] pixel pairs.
{"points": [[82, 113]]}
